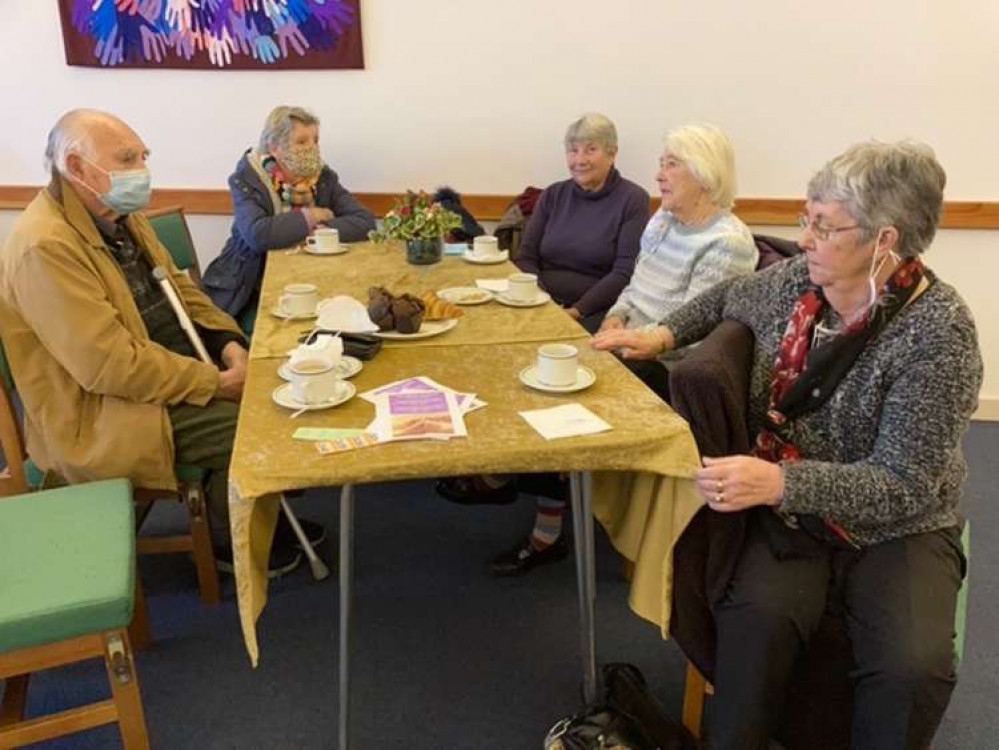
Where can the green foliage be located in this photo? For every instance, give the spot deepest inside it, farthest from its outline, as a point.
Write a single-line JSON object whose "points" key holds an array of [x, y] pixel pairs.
{"points": [[416, 217]]}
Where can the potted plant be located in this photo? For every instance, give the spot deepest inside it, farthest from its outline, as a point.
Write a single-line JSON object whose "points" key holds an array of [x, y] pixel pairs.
{"points": [[421, 224]]}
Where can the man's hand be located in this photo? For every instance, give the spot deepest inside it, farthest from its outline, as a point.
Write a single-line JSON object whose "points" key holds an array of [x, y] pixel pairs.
{"points": [[235, 355], [232, 378], [612, 323], [635, 344]]}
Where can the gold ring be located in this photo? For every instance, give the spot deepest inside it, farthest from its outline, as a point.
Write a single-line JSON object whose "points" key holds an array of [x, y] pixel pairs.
{"points": [[720, 497], [721, 486]]}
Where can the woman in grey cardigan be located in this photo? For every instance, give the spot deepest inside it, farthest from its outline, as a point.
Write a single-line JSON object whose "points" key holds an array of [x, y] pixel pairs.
{"points": [[866, 372], [281, 191]]}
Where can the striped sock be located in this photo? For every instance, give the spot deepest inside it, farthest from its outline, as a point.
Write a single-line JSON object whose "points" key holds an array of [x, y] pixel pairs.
{"points": [[547, 522]]}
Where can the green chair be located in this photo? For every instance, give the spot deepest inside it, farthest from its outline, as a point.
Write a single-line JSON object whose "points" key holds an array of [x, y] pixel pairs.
{"points": [[197, 542], [67, 569], [171, 228]]}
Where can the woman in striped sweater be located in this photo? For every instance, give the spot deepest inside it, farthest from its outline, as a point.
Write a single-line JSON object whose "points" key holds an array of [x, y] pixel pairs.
{"points": [[691, 243]]}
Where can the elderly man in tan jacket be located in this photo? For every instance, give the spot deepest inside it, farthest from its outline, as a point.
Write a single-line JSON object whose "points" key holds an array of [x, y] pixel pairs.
{"points": [[110, 383]]}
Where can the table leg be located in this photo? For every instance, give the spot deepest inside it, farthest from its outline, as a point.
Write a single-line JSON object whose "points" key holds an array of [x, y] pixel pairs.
{"points": [[346, 581], [581, 491]]}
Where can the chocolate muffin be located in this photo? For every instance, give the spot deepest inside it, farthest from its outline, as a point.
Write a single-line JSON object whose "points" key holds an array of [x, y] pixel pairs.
{"points": [[407, 311], [380, 308]]}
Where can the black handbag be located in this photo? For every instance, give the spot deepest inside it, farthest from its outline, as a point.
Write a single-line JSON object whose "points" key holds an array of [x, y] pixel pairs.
{"points": [[628, 718], [598, 728], [361, 345]]}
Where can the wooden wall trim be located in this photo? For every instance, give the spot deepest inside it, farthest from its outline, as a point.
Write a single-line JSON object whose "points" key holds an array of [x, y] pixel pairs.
{"points": [[756, 211]]}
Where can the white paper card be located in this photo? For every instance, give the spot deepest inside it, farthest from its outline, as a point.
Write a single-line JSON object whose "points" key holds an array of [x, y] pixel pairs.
{"points": [[564, 421], [493, 285]]}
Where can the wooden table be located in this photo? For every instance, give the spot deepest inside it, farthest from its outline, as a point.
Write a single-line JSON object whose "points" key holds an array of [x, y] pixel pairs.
{"points": [[644, 495]]}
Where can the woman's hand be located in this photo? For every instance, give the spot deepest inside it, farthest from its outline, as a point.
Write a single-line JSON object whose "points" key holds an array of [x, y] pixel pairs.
{"points": [[736, 483], [634, 344], [316, 215], [612, 323]]}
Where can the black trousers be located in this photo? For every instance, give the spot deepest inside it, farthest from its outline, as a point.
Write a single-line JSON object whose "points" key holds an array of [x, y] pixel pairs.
{"points": [[898, 600]]}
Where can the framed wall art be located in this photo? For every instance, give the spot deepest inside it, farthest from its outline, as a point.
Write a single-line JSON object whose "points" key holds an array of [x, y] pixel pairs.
{"points": [[220, 34]]}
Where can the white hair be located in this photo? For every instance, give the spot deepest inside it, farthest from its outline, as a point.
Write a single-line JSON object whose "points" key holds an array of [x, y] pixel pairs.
{"points": [[593, 127], [280, 122], [708, 154], [73, 134]]}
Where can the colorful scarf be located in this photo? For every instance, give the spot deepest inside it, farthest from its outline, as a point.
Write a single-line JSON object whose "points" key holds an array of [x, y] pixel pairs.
{"points": [[293, 192], [805, 376]]}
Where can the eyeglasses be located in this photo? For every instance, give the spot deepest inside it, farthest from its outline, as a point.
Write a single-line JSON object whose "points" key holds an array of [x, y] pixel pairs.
{"points": [[823, 233]]}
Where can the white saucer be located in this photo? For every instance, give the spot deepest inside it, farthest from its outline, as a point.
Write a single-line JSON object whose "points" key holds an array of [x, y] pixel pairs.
{"points": [[488, 260], [427, 329], [585, 377], [348, 368], [465, 295], [285, 316], [282, 396], [313, 251], [504, 298]]}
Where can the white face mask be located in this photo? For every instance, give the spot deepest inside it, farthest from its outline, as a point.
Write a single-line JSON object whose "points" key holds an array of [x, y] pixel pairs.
{"points": [[129, 192]]}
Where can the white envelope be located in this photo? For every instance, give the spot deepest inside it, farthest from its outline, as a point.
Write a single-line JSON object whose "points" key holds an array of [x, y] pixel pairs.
{"points": [[344, 314], [326, 348], [500, 286]]}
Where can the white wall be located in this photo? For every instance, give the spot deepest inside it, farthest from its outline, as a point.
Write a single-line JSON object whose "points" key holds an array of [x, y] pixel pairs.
{"points": [[477, 94]]}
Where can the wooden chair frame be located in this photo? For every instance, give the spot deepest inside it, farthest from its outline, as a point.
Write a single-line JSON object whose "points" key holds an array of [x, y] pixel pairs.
{"points": [[124, 707]]}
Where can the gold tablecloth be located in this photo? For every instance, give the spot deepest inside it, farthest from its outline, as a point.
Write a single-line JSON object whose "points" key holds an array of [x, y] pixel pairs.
{"points": [[643, 493], [368, 264]]}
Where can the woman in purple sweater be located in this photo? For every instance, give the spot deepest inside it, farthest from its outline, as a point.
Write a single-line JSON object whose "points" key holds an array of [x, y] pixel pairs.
{"points": [[583, 237]]}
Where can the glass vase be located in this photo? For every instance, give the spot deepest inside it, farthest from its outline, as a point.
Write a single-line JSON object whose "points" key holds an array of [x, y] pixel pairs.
{"points": [[423, 252]]}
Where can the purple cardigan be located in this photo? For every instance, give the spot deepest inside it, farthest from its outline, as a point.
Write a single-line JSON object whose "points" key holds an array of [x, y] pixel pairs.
{"points": [[583, 245]]}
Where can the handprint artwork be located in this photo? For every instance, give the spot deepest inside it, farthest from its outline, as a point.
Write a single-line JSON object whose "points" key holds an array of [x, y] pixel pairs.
{"points": [[229, 34]]}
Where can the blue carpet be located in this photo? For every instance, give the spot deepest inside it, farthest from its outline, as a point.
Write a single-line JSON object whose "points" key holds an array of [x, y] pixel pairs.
{"points": [[445, 656]]}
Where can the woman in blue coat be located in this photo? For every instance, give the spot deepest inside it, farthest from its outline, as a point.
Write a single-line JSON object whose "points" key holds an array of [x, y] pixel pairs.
{"points": [[281, 191]]}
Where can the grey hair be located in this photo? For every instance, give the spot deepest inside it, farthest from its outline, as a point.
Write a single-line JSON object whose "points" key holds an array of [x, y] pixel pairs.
{"points": [[593, 127], [708, 154], [886, 184], [72, 134], [279, 124]]}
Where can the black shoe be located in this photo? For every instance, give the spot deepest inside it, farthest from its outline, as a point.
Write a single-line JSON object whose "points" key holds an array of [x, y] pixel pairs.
{"points": [[474, 491], [284, 559], [285, 535], [525, 557]]}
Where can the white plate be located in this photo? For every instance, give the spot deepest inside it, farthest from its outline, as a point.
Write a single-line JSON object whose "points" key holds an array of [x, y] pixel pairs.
{"points": [[285, 316], [348, 368], [314, 251], [489, 260], [465, 295], [585, 377], [283, 396], [428, 329], [504, 298]]}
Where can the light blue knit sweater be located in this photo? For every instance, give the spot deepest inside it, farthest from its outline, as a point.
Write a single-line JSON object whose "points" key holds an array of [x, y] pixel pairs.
{"points": [[676, 263]]}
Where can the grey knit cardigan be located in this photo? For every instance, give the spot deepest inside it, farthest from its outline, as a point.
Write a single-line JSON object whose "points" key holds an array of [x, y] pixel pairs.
{"points": [[882, 456]]}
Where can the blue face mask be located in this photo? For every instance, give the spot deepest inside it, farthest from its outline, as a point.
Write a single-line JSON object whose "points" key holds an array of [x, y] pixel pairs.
{"points": [[129, 191]]}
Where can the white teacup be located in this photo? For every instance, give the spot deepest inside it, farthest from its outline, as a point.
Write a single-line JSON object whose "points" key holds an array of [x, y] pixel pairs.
{"points": [[557, 364], [298, 299], [485, 246], [324, 240], [523, 287], [313, 381]]}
